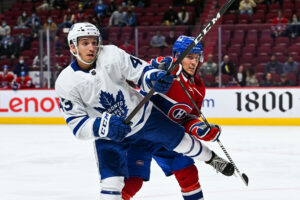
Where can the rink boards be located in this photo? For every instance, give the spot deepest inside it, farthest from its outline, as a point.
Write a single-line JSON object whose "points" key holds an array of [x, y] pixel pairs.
{"points": [[225, 106]]}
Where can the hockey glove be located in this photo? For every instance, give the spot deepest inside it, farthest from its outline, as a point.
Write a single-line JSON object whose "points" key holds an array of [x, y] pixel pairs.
{"points": [[203, 132], [112, 126], [164, 63], [159, 81]]}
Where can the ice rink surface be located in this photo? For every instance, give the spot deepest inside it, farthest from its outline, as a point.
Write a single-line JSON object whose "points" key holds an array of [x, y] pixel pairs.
{"points": [[39, 162]]}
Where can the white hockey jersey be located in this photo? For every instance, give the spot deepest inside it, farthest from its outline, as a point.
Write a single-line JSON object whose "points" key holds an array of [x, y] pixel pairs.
{"points": [[84, 96]]}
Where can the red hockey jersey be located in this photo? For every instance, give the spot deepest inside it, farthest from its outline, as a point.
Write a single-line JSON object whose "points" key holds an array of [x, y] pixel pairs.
{"points": [[175, 103]]}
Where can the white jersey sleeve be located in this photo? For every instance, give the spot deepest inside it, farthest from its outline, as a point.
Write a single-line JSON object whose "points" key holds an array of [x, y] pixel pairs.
{"points": [[85, 95]]}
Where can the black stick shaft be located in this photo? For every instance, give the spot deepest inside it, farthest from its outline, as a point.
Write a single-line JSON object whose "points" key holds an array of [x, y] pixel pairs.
{"points": [[243, 176], [182, 56]]}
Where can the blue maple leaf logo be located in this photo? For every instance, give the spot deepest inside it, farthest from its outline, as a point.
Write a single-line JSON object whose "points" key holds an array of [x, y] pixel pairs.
{"points": [[113, 106]]}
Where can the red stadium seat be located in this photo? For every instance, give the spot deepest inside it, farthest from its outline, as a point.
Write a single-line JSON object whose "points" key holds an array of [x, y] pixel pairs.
{"points": [[208, 79], [243, 19], [225, 79], [262, 59], [264, 50], [292, 77], [249, 49], [229, 19], [260, 68]]}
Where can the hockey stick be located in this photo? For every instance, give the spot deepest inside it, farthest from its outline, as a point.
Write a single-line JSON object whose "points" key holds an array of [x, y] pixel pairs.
{"points": [[182, 56], [242, 175]]}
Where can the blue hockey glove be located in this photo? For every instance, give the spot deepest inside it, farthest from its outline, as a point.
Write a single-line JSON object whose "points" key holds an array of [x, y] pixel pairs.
{"points": [[164, 63], [112, 126], [160, 81]]}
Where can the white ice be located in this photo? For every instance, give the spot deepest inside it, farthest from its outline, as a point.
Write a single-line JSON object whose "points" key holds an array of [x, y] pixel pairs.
{"points": [[39, 162]]}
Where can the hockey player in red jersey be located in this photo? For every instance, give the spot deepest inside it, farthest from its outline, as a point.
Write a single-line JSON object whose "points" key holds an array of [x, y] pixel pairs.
{"points": [[178, 107], [6, 78]]}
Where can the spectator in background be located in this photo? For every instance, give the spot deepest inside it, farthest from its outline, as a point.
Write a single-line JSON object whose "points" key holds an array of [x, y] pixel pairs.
{"points": [[35, 29], [130, 18], [284, 82], [112, 7], [4, 29], [80, 15], [227, 67], [46, 5], [22, 43], [21, 66], [33, 20], [158, 40], [216, 82], [60, 4], [22, 20], [247, 6], [127, 46], [209, 67], [36, 62], [279, 25], [8, 47], [170, 17], [251, 80], [100, 10], [50, 24], [6, 78], [69, 19], [23, 82], [294, 26], [239, 78], [290, 66], [171, 38], [274, 66], [268, 81], [141, 3], [183, 17], [117, 17]]}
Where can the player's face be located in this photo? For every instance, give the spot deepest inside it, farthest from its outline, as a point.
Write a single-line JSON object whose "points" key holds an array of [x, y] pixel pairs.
{"points": [[190, 63], [88, 48]]}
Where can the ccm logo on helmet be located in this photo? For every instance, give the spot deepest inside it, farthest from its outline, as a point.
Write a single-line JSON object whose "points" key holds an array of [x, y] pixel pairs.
{"points": [[179, 111]]}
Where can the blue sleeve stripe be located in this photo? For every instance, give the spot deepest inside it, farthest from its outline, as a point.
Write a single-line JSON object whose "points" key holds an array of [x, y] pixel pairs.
{"points": [[147, 68], [96, 126], [74, 117], [110, 192], [79, 125]]}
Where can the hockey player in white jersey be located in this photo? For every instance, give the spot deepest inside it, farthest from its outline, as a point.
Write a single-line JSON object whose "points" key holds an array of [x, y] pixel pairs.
{"points": [[95, 99]]}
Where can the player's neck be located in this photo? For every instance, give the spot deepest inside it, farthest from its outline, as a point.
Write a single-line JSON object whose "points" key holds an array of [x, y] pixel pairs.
{"points": [[84, 66]]}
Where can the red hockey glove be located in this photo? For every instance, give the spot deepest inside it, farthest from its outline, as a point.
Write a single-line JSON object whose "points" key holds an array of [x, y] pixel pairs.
{"points": [[203, 132]]}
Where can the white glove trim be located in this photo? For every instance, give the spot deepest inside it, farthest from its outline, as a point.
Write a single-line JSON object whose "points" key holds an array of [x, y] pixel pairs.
{"points": [[104, 125]]}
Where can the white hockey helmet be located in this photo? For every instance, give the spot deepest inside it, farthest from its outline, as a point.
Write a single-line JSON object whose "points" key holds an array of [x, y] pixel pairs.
{"points": [[79, 30]]}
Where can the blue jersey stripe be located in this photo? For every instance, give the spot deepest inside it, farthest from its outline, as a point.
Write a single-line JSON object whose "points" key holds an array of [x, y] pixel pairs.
{"points": [[79, 125], [142, 118], [74, 117], [192, 146], [200, 150], [96, 126], [147, 68], [110, 192]]}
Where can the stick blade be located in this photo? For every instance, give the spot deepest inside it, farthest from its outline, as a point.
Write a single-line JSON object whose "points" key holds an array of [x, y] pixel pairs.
{"points": [[245, 179]]}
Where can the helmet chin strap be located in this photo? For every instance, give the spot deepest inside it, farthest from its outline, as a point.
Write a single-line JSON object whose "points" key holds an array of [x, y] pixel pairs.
{"points": [[81, 60]]}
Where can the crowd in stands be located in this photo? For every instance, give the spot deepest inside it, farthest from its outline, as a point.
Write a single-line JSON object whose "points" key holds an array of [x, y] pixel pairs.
{"points": [[20, 26], [276, 74]]}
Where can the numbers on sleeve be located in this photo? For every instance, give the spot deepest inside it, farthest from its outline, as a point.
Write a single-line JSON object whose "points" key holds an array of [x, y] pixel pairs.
{"points": [[135, 61], [65, 105]]}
